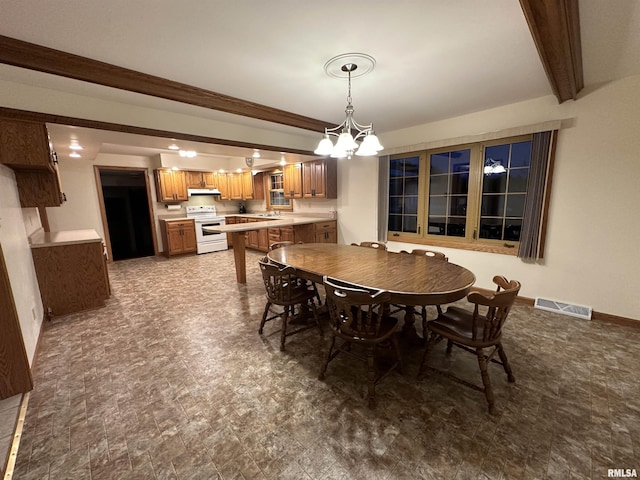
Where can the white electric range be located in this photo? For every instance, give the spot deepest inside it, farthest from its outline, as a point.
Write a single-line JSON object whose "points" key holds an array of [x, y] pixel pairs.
{"points": [[206, 216]]}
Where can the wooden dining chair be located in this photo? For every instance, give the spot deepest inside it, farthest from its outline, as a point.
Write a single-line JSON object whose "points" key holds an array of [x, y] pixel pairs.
{"points": [[285, 243], [429, 253], [356, 317], [378, 245], [284, 289], [474, 332]]}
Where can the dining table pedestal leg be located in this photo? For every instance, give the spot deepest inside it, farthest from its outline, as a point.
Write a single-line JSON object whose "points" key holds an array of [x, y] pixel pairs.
{"points": [[409, 329]]}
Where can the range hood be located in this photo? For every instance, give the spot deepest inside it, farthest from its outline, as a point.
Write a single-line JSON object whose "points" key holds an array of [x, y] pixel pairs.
{"points": [[203, 191]]}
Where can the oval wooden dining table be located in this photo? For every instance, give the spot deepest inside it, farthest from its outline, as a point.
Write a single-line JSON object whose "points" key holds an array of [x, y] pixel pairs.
{"points": [[411, 279]]}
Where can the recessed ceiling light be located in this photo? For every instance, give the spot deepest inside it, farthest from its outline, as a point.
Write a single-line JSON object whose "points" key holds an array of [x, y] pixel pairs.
{"points": [[283, 161], [256, 154], [187, 153], [239, 170], [75, 146], [174, 147], [74, 155], [221, 170]]}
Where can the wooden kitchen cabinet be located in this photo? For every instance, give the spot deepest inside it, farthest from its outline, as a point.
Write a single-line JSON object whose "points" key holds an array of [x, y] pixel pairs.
{"points": [[247, 185], [280, 234], [230, 221], [72, 274], [179, 236], [320, 232], [235, 186], [292, 179], [201, 179], [171, 185], [222, 183], [320, 178], [24, 147]]}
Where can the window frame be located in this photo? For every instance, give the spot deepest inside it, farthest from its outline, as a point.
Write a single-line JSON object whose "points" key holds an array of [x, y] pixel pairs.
{"points": [[268, 190], [471, 240]]}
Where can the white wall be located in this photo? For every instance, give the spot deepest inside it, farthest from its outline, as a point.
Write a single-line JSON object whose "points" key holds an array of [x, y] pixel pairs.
{"points": [[591, 256], [17, 256]]}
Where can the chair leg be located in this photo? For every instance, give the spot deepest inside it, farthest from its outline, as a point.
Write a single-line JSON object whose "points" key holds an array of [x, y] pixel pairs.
{"points": [[505, 364], [314, 310], [424, 323], [323, 371], [371, 377], [427, 346], [264, 317], [396, 347], [449, 346], [486, 381], [285, 320]]}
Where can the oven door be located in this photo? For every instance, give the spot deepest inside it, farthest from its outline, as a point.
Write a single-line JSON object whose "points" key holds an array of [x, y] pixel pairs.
{"points": [[203, 237]]}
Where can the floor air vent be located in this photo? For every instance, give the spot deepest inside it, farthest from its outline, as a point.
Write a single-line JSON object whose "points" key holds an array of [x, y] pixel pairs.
{"points": [[579, 311]]}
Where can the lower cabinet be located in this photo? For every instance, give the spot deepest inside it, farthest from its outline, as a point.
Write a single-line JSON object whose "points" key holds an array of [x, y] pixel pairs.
{"points": [[326, 232], [179, 236], [72, 277]]}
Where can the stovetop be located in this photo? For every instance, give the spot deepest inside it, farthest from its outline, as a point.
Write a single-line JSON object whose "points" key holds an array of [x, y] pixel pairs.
{"points": [[201, 211]]}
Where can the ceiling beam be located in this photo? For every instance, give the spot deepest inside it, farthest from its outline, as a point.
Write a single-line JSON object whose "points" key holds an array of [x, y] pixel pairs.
{"points": [[43, 59], [25, 115], [555, 27]]}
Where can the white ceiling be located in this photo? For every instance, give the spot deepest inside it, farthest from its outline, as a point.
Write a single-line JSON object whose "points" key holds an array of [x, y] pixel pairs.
{"points": [[435, 59]]}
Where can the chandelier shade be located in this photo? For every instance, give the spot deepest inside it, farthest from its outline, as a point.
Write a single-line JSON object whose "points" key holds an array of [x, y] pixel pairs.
{"points": [[349, 132]]}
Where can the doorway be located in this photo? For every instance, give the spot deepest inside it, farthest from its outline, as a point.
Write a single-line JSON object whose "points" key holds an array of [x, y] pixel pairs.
{"points": [[127, 214]]}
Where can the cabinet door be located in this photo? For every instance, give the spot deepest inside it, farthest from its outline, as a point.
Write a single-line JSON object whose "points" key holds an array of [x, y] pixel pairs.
{"points": [[180, 185], [39, 188], [308, 180], [247, 185], [164, 186], [286, 234], [24, 144], [263, 239], [174, 240], [235, 186], [293, 181], [209, 180], [222, 184], [189, 242], [194, 180]]}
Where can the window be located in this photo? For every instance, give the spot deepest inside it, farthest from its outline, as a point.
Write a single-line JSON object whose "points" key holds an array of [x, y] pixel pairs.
{"points": [[467, 196], [275, 189]]}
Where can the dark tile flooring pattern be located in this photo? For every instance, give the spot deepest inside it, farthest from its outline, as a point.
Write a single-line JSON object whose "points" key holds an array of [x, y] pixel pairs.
{"points": [[171, 381]]}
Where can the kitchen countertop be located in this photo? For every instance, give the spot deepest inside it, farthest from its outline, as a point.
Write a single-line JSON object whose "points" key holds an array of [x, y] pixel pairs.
{"points": [[66, 237], [269, 222]]}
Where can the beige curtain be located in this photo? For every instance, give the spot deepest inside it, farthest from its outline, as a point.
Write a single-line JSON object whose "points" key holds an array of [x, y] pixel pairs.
{"points": [[531, 236]]}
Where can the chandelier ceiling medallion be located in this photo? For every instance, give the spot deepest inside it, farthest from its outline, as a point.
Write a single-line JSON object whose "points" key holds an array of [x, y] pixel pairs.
{"points": [[349, 132]]}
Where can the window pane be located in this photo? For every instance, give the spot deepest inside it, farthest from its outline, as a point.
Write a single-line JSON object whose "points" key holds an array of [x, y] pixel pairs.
{"points": [[460, 161], [396, 168], [459, 183], [411, 167], [521, 154], [515, 205], [438, 184], [395, 223], [512, 230], [437, 206], [458, 205], [498, 153], [494, 183], [437, 225], [395, 186], [492, 205], [456, 227], [411, 205], [491, 228], [410, 224], [395, 204], [439, 163], [518, 178], [411, 186]]}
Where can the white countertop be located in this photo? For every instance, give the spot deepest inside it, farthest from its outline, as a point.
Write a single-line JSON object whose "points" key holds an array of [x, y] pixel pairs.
{"points": [[269, 222], [66, 237]]}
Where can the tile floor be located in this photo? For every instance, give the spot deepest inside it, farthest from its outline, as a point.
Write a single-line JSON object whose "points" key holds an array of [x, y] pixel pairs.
{"points": [[171, 381]]}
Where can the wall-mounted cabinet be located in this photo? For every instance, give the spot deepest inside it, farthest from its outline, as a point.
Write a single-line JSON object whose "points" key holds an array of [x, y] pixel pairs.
{"points": [[24, 147], [292, 174], [201, 179], [171, 185], [320, 179]]}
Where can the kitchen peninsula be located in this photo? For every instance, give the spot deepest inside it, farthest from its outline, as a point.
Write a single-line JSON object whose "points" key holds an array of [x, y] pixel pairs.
{"points": [[307, 229]]}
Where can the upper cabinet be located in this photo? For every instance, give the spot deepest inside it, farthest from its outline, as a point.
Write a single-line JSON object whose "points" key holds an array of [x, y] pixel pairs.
{"points": [[24, 147], [245, 186], [292, 180], [171, 185], [201, 179], [320, 178]]}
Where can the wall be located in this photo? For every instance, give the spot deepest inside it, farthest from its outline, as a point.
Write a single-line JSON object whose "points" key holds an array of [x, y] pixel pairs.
{"points": [[591, 256], [17, 256]]}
